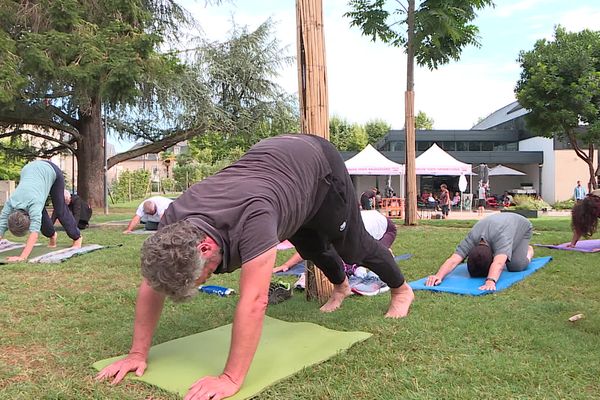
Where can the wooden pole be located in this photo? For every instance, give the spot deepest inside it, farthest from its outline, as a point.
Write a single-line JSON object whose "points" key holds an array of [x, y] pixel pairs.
{"points": [[314, 113], [409, 122]]}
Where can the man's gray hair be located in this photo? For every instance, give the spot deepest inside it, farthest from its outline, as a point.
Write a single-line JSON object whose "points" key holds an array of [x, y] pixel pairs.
{"points": [[170, 260], [149, 207], [18, 222]]}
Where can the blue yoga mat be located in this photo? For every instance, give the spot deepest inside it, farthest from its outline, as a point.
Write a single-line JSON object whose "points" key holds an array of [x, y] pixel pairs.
{"points": [[460, 282], [296, 270]]}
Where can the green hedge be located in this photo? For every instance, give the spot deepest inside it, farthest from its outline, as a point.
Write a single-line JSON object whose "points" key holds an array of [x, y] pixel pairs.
{"points": [[131, 185]]}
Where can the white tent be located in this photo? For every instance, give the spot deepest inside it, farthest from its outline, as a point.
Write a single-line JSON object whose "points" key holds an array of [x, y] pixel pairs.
{"points": [[435, 161], [502, 170], [371, 162]]}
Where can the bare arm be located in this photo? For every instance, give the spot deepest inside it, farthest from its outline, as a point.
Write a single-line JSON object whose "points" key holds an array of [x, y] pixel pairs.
{"points": [[148, 307], [31, 239], [293, 260], [494, 272], [133, 223], [447, 267], [576, 237], [246, 332]]}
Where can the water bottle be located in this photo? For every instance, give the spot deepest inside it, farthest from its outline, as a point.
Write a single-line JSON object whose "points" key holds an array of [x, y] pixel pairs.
{"points": [[214, 289]]}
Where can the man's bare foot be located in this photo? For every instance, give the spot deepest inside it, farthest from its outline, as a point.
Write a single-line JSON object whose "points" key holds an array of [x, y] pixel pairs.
{"points": [[400, 302], [77, 243], [340, 292], [52, 242]]}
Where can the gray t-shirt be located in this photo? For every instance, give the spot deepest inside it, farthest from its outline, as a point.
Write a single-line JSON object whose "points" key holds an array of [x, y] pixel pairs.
{"points": [[260, 200], [500, 231]]}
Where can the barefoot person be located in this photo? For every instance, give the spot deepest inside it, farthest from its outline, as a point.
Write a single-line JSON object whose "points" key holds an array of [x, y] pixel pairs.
{"points": [[149, 212], [25, 210], [492, 242], [293, 187], [584, 217], [377, 225]]}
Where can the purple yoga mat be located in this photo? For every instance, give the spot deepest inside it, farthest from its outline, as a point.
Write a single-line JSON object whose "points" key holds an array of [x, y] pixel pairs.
{"points": [[584, 246]]}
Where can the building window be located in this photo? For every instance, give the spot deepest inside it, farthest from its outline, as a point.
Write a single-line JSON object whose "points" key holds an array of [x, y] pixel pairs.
{"points": [[512, 146], [449, 146], [462, 146], [487, 146], [474, 146], [422, 146]]}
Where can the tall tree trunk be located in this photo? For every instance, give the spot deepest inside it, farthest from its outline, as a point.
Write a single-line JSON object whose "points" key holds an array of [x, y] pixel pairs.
{"points": [[312, 90], [409, 122], [588, 158], [90, 155]]}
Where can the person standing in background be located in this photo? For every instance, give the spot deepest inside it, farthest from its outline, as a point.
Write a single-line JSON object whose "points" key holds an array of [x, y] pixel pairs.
{"points": [[579, 192]]}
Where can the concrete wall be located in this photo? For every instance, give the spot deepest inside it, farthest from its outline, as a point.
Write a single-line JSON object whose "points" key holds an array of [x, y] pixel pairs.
{"points": [[546, 145], [569, 169]]}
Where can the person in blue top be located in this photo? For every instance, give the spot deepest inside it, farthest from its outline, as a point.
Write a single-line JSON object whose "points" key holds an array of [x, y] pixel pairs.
{"points": [[25, 209], [579, 192]]}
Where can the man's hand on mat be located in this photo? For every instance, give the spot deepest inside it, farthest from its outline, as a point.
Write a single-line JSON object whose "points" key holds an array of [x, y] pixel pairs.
{"points": [[212, 387], [118, 369], [15, 259], [488, 285], [433, 280], [126, 231]]}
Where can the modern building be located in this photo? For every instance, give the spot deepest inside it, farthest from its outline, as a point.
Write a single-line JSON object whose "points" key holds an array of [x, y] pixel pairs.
{"points": [[551, 166]]}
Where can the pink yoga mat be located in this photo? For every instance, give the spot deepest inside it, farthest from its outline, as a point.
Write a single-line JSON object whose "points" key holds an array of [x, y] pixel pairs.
{"points": [[584, 246]]}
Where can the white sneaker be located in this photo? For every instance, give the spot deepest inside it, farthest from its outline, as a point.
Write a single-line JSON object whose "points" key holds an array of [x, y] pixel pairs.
{"points": [[301, 282]]}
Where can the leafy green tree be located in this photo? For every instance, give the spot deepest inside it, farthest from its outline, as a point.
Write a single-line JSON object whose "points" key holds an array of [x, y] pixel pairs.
{"points": [[339, 132], [376, 129], [12, 158], [63, 61], [422, 121], [240, 73], [560, 85], [358, 139], [434, 34]]}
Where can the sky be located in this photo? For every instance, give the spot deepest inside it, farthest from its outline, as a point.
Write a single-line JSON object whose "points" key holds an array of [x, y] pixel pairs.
{"points": [[367, 80]]}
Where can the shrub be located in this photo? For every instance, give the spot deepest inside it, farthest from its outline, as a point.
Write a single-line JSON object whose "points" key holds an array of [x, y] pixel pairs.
{"points": [[131, 185], [564, 205], [523, 202]]}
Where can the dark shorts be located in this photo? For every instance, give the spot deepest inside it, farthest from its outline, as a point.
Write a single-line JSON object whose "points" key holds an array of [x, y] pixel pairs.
{"points": [[481, 202], [336, 231]]}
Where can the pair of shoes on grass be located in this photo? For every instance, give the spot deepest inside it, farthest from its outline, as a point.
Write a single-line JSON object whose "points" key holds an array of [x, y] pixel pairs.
{"points": [[279, 291]]}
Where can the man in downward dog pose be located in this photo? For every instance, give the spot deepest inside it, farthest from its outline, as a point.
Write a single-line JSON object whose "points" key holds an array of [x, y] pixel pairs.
{"points": [[293, 187]]}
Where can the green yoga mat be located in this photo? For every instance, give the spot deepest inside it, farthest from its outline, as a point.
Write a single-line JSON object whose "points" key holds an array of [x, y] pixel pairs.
{"points": [[38, 250], [285, 348]]}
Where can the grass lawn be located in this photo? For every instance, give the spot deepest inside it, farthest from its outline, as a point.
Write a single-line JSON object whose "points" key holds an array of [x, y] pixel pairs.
{"points": [[56, 320]]}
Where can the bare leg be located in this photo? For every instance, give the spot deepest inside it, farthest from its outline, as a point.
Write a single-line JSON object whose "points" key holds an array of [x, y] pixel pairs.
{"points": [[77, 243], [52, 242], [340, 292], [400, 302]]}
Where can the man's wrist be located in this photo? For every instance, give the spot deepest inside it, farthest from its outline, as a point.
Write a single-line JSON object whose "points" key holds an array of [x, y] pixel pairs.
{"points": [[491, 279]]}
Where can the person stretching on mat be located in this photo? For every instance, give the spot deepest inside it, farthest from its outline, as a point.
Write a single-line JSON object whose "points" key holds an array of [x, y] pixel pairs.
{"points": [[377, 225], [293, 187], [149, 212], [25, 210], [584, 217], [492, 242]]}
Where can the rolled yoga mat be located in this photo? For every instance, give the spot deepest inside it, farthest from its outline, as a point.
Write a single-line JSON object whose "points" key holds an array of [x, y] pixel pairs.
{"points": [[284, 349]]}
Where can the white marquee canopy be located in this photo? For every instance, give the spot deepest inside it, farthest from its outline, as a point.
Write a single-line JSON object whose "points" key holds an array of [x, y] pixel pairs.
{"points": [[371, 162], [435, 161]]}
